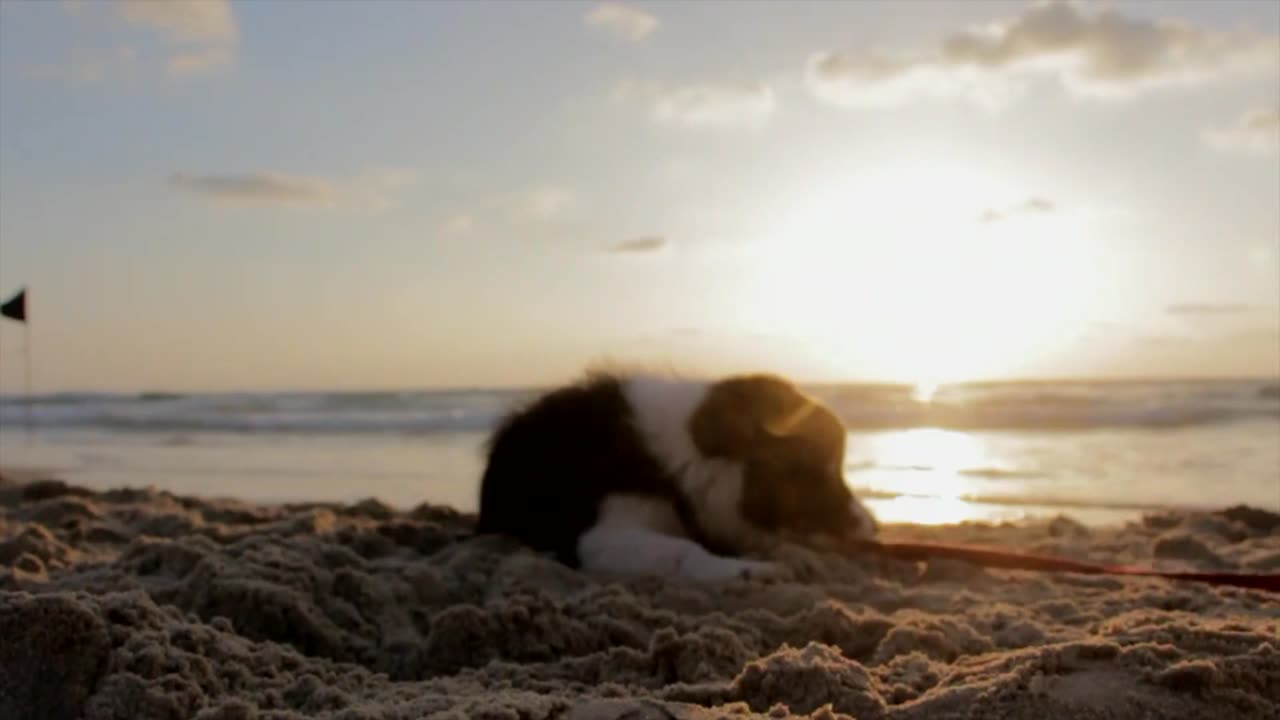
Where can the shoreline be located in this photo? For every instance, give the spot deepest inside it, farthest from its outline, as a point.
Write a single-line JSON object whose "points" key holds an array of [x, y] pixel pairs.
{"points": [[145, 602], [994, 508]]}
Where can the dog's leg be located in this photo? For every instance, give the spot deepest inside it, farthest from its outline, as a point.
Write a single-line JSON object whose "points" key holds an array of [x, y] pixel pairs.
{"points": [[629, 550]]}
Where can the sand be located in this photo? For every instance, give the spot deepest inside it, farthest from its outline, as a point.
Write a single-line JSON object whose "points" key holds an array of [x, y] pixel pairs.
{"points": [[136, 603]]}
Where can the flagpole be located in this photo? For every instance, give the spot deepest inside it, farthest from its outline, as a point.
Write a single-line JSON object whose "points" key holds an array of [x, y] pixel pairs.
{"points": [[26, 371]]}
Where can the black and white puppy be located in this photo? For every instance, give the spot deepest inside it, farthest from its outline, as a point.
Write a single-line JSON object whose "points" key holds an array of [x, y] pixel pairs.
{"points": [[654, 475]]}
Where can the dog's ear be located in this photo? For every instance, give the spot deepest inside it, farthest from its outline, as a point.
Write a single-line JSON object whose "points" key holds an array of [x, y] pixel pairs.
{"points": [[740, 412]]}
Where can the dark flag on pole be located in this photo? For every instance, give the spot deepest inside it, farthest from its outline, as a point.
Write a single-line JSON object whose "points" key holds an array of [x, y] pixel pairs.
{"points": [[16, 306]]}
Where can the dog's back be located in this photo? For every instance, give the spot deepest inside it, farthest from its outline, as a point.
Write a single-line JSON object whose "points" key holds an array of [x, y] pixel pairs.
{"points": [[550, 465]]}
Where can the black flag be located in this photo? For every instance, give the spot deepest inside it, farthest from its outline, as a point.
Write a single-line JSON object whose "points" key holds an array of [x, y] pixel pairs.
{"points": [[16, 307]]}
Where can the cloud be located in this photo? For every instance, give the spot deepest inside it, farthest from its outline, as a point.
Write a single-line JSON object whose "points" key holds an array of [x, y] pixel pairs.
{"points": [[1099, 54], [202, 33], [1256, 130], [1034, 205], [875, 79], [195, 36], [183, 21], [708, 105], [265, 187], [640, 245], [748, 105], [369, 191], [624, 21], [1210, 309], [200, 61]]}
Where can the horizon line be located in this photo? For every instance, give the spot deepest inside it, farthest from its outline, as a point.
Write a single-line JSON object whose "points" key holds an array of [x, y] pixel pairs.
{"points": [[533, 387]]}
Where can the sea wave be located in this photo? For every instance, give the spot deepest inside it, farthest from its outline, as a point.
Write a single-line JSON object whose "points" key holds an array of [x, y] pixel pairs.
{"points": [[1013, 407]]}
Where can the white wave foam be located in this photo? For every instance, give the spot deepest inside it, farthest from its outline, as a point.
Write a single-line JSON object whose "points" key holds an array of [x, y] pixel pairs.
{"points": [[1032, 407]]}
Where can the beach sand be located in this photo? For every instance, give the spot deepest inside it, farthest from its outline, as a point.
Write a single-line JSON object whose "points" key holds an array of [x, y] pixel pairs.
{"points": [[136, 603]]}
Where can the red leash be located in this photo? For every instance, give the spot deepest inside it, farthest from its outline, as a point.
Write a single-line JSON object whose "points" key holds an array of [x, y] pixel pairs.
{"points": [[993, 558]]}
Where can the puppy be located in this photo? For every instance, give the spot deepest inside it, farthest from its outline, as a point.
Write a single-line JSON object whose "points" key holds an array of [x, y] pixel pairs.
{"points": [[649, 475]]}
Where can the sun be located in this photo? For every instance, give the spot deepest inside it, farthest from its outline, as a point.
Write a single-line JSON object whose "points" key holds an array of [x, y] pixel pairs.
{"points": [[898, 274], [924, 389]]}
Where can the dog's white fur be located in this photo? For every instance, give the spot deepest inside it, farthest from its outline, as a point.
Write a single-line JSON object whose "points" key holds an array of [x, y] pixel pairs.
{"points": [[643, 536], [663, 408], [633, 537]]}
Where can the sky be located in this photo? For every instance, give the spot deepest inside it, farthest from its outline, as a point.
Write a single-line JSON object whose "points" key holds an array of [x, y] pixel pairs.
{"points": [[364, 195]]}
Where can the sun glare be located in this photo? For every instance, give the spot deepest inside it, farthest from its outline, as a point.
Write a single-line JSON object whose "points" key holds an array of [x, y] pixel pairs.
{"points": [[900, 275], [924, 391]]}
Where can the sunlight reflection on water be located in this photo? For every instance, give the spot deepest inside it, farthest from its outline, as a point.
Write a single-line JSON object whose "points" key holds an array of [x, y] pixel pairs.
{"points": [[933, 476], [924, 468]]}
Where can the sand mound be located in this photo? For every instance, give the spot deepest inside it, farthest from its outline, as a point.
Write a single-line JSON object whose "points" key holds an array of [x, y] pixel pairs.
{"points": [[140, 604]]}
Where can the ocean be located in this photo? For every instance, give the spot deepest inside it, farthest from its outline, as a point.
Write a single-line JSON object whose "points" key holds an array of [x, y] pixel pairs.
{"points": [[1101, 452]]}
